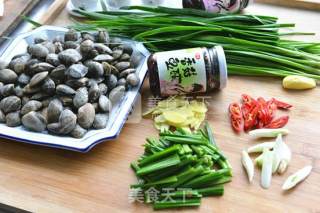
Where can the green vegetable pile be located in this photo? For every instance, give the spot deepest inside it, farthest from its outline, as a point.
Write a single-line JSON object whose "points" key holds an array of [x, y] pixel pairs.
{"points": [[253, 44], [182, 168]]}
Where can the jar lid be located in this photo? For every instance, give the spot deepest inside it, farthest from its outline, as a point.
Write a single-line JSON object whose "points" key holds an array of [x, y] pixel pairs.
{"points": [[222, 66]]}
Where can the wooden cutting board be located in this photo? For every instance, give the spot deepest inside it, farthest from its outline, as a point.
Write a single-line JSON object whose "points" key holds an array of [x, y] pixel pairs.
{"points": [[14, 9]]}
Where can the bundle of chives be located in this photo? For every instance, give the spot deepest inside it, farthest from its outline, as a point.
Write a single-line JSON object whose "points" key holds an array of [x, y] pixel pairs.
{"points": [[253, 44], [188, 164]]}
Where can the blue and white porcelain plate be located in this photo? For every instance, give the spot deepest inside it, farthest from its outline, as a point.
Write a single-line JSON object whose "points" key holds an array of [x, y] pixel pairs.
{"points": [[117, 117]]}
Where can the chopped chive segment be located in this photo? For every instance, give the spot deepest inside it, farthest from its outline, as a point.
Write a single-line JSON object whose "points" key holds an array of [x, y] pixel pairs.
{"points": [[211, 191], [185, 163], [194, 202], [159, 155], [206, 179], [165, 163]]}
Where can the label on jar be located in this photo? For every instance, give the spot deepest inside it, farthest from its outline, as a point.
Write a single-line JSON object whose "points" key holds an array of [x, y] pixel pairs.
{"points": [[182, 71], [222, 6]]}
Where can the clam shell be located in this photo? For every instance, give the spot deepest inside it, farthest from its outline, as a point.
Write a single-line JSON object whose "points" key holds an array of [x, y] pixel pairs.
{"points": [[71, 35], [77, 71], [122, 82], [81, 97], [2, 117], [126, 72], [19, 64], [18, 91], [38, 78], [123, 65], [58, 73], [78, 132], [117, 53], [86, 46], [8, 76], [103, 88], [67, 123], [104, 104], [54, 110], [101, 48], [103, 58], [10, 104], [13, 119], [76, 83], [100, 121], [95, 69], [103, 37], [133, 79], [7, 90], [23, 79], [31, 106], [40, 96], [38, 51], [63, 89], [41, 67], [53, 59], [86, 115], [94, 92], [48, 86], [117, 94], [71, 45], [69, 56], [34, 121], [30, 90], [111, 81]]}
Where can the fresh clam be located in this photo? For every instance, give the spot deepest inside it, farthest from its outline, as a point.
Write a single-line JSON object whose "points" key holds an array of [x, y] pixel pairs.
{"points": [[86, 115], [34, 121]]}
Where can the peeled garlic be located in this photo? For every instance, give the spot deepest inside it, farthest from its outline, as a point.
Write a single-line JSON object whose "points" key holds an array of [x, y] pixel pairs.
{"points": [[298, 82], [296, 178], [248, 165], [260, 147]]}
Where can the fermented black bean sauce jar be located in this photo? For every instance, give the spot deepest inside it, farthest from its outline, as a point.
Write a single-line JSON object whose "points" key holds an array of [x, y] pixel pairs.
{"points": [[187, 71], [217, 6]]}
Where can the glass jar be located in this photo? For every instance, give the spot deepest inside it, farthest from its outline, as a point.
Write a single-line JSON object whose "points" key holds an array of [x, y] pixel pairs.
{"points": [[187, 71], [217, 6]]}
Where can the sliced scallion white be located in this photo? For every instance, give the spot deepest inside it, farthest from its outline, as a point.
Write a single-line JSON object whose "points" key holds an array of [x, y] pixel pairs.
{"points": [[260, 147], [248, 165], [258, 160], [268, 133], [282, 155], [296, 178], [266, 173]]}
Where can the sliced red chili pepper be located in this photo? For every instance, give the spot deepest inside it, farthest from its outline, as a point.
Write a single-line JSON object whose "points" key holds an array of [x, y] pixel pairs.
{"points": [[281, 105], [278, 123], [236, 124], [235, 110], [263, 114], [251, 118], [247, 98]]}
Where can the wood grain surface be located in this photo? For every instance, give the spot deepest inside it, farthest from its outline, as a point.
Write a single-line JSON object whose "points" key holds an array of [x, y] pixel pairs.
{"points": [[14, 9], [41, 179]]}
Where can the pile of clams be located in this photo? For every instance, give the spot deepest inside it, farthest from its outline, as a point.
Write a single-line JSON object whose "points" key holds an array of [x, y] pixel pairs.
{"points": [[68, 85]]}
